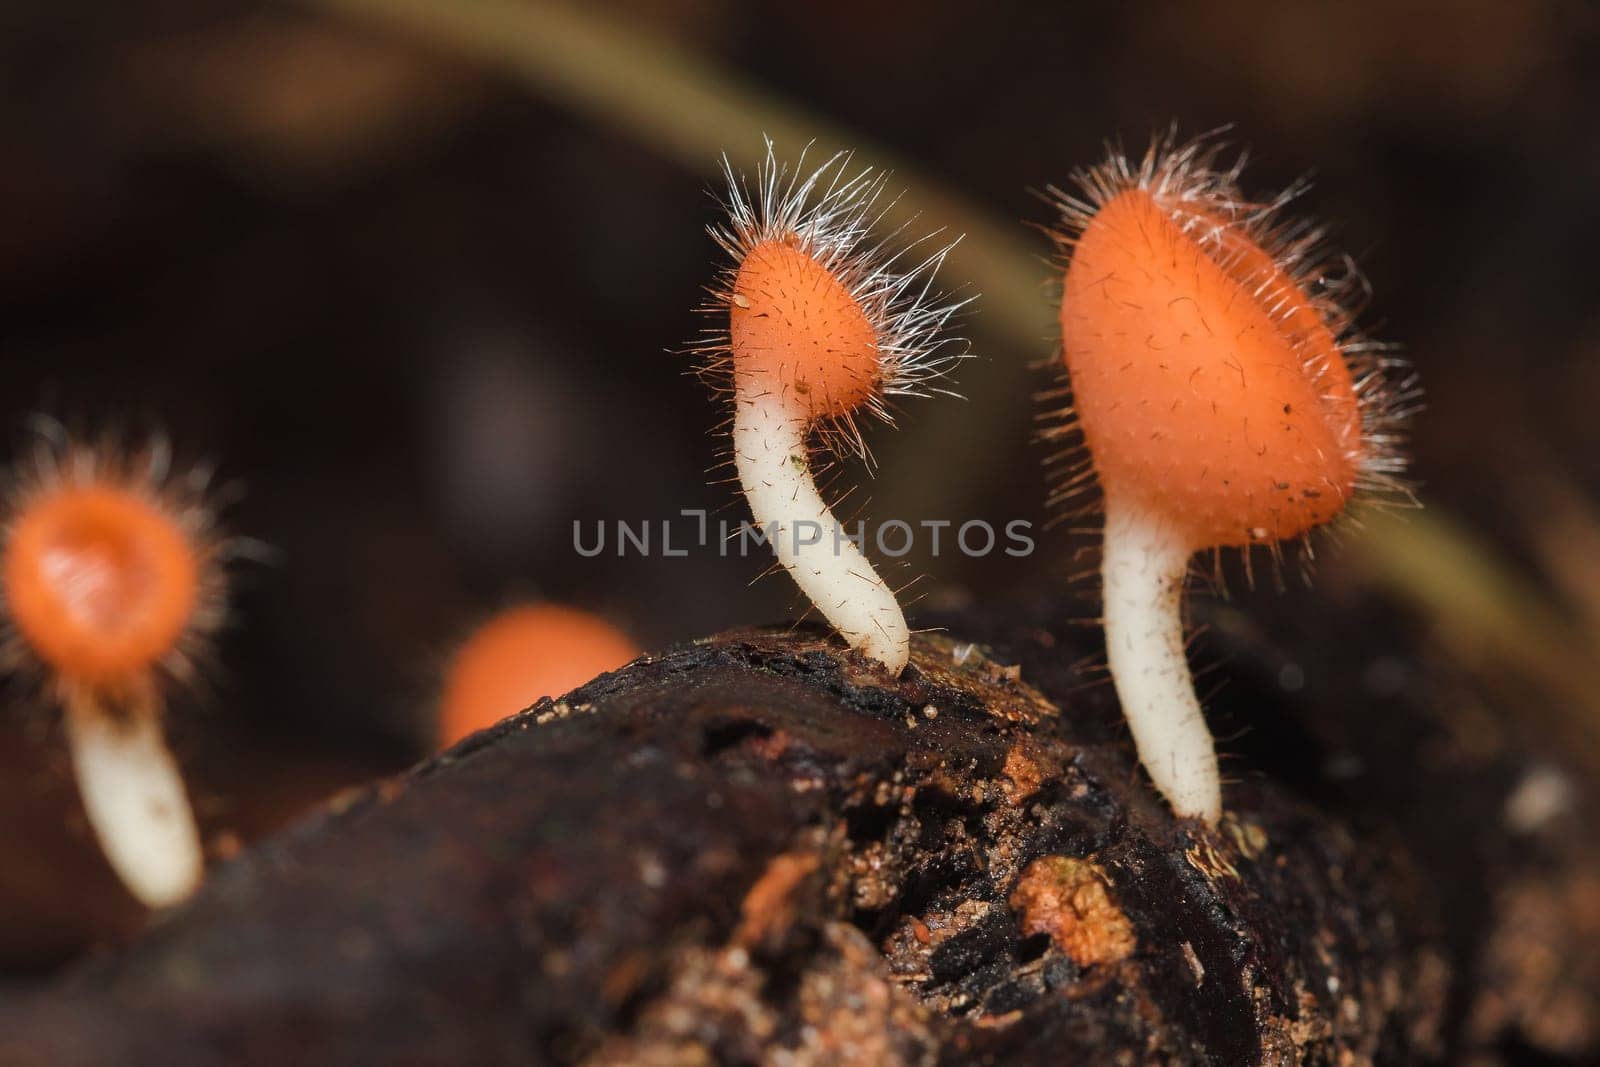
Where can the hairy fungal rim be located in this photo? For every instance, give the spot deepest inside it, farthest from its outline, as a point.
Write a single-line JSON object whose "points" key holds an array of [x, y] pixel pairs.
{"points": [[829, 214], [59, 463], [1201, 193]]}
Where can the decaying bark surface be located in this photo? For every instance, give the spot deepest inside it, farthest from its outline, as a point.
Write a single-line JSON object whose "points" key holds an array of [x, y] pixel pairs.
{"points": [[760, 848]]}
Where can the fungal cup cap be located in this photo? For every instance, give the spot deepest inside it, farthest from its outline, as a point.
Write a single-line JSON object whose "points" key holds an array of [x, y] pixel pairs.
{"points": [[795, 328], [1212, 390], [100, 583], [524, 653]]}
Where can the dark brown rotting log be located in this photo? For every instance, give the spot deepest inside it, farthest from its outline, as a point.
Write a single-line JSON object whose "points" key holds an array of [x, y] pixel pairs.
{"points": [[760, 848], [974, 875], [1416, 750]]}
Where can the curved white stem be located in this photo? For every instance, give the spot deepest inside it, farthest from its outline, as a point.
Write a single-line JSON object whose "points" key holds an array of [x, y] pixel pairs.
{"points": [[134, 797], [1143, 573], [769, 449]]}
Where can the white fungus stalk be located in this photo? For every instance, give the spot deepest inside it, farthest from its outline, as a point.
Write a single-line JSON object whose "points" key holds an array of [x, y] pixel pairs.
{"points": [[134, 797], [1143, 569], [770, 452]]}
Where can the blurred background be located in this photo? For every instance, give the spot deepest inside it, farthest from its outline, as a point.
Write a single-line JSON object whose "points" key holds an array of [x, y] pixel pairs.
{"points": [[410, 273]]}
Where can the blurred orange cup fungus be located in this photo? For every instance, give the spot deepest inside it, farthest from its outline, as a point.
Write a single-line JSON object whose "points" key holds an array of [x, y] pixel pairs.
{"points": [[519, 655]]}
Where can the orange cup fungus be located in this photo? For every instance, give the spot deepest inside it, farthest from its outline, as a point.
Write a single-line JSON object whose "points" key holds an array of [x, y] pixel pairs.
{"points": [[111, 584], [522, 654], [1224, 401], [821, 326]]}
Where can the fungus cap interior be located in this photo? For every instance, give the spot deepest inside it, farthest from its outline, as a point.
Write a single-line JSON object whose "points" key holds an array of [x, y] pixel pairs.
{"points": [[792, 323], [1211, 391], [100, 582]]}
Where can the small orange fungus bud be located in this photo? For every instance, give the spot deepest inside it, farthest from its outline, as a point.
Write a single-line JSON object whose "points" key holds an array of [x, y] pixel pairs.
{"points": [[793, 327], [100, 582], [520, 655]]}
